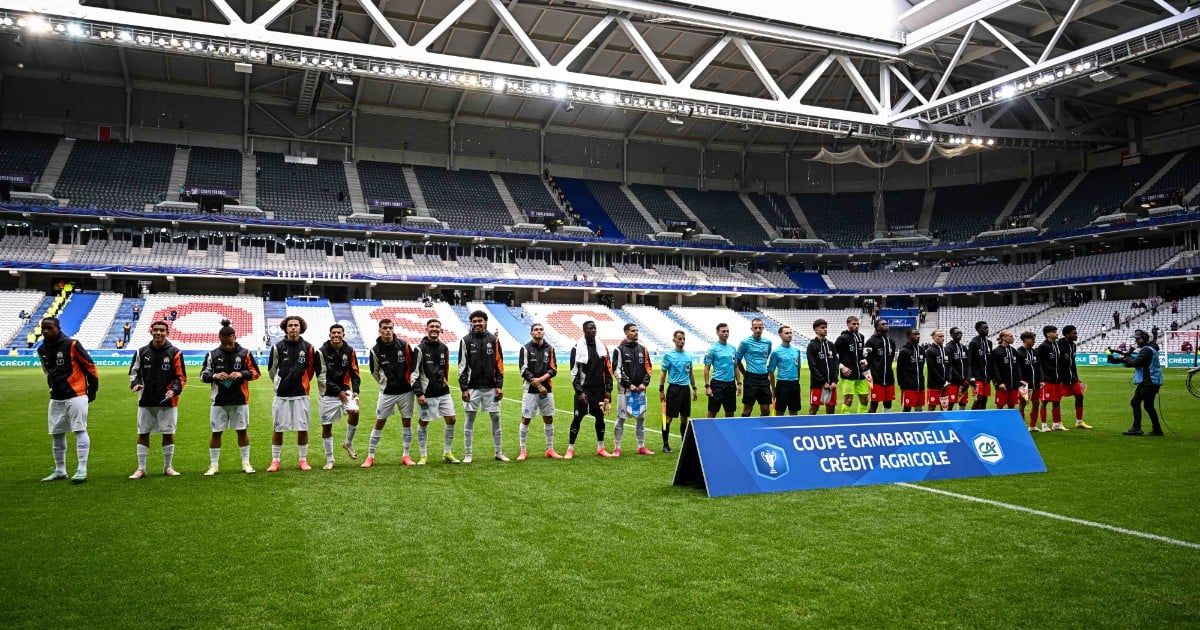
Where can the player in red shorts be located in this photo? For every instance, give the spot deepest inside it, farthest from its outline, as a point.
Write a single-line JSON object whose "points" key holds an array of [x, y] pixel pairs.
{"points": [[959, 389], [910, 372], [1051, 367], [1072, 386], [822, 370], [1031, 378], [937, 395], [881, 353], [980, 353], [1005, 372]]}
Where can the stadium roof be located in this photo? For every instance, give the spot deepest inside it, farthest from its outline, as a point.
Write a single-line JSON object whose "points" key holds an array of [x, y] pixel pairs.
{"points": [[1145, 48]]}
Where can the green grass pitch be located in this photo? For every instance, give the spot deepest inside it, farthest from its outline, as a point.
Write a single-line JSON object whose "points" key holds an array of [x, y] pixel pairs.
{"points": [[581, 543]]}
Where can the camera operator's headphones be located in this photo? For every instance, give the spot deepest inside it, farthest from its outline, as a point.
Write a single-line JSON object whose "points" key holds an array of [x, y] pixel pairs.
{"points": [[1142, 336]]}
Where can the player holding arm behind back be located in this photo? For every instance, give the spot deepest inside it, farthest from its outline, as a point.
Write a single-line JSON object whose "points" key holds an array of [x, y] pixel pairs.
{"points": [[939, 374], [725, 384], [1052, 377], [73, 382], [1031, 378], [677, 369], [881, 353], [910, 372], [823, 371], [1072, 386], [539, 366], [157, 373], [1005, 372], [229, 368]]}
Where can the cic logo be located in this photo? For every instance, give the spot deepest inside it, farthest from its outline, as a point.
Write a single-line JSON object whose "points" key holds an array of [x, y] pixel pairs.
{"points": [[987, 448], [770, 461]]}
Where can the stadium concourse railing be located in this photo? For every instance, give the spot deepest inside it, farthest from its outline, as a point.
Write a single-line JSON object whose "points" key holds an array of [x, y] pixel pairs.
{"points": [[1175, 220]]}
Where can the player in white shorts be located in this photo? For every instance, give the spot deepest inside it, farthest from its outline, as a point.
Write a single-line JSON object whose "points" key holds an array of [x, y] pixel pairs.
{"points": [[432, 389], [73, 382], [229, 369], [157, 372], [393, 364], [291, 366], [481, 377], [538, 366], [338, 386]]}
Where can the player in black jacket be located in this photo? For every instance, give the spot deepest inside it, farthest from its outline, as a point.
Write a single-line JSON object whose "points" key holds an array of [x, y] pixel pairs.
{"points": [[432, 389], [591, 377], [1031, 377], [73, 382], [980, 352], [157, 372], [822, 371], [539, 366], [481, 377], [1072, 386], [881, 354], [958, 360], [1005, 372], [910, 372], [1052, 377], [937, 365], [291, 365], [850, 346], [339, 383], [229, 368]]}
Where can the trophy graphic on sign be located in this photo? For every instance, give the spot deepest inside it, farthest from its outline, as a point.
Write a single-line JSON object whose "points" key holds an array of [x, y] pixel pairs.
{"points": [[769, 457]]}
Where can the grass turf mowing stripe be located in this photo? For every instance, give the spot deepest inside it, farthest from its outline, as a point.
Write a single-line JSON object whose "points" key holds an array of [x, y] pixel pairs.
{"points": [[1058, 517]]}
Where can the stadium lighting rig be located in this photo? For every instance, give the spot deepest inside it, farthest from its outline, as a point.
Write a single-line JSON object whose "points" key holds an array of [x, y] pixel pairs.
{"points": [[346, 66]]}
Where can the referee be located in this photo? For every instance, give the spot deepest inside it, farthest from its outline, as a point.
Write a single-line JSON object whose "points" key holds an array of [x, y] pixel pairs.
{"points": [[783, 370], [677, 370], [723, 387], [754, 351]]}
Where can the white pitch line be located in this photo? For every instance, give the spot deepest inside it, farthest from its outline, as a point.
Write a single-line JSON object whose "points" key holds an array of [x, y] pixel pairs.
{"points": [[562, 411], [1057, 517]]}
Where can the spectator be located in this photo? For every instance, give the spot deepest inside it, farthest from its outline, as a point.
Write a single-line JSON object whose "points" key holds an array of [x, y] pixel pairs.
{"points": [[1127, 320], [1174, 325], [1154, 306], [1116, 320], [1154, 333], [137, 312], [23, 315], [1186, 347], [1104, 331], [266, 340], [125, 333], [12, 351], [1174, 307], [120, 344], [174, 314]]}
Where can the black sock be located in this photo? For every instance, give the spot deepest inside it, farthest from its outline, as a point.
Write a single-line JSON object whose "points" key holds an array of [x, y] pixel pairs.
{"points": [[873, 407], [599, 431], [907, 409], [575, 422]]}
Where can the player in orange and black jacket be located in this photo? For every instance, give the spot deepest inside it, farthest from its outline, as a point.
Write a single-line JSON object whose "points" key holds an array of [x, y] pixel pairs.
{"points": [[73, 383]]}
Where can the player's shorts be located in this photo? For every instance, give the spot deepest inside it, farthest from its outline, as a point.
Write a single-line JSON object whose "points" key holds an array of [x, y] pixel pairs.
{"points": [[756, 389], [958, 394], [482, 400], [983, 389], [724, 396], [437, 407], [390, 404], [1005, 397], [290, 413], [622, 408], [591, 407], [815, 394], [225, 417], [1051, 392], [679, 401], [935, 396], [1074, 389], [787, 397], [537, 405], [67, 416], [157, 420], [860, 387], [883, 393], [330, 408], [912, 398]]}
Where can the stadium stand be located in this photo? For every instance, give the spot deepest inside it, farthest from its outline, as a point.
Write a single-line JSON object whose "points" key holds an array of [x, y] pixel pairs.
{"points": [[528, 192], [883, 281], [592, 213], [801, 321], [657, 202], [903, 208], [774, 208], [725, 214], [408, 318], [564, 323], [11, 305], [384, 181], [25, 248], [464, 200], [302, 192], [214, 168], [98, 319], [960, 212], [703, 323], [1181, 177], [198, 318], [846, 220], [998, 318], [1133, 261], [990, 273], [1042, 191], [115, 176], [508, 341], [1102, 191], [317, 315], [23, 153], [661, 329]]}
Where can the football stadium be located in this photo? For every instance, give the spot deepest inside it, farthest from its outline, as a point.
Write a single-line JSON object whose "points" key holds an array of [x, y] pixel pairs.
{"points": [[599, 313]]}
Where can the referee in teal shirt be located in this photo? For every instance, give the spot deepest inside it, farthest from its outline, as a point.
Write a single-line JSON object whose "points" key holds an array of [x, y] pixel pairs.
{"points": [[783, 368], [722, 383], [752, 355], [678, 397]]}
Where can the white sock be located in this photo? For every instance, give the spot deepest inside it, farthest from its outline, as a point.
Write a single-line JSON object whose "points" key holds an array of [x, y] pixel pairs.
{"points": [[351, 429], [448, 439], [497, 435], [374, 443], [83, 445], [423, 439], [328, 444], [549, 436], [469, 433], [640, 428], [58, 446], [168, 454], [303, 450], [618, 432], [245, 450], [524, 433], [276, 450], [407, 440], [143, 452], [214, 456]]}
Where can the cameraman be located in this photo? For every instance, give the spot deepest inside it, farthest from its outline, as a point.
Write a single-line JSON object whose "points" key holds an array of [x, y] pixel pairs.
{"points": [[1147, 379]]}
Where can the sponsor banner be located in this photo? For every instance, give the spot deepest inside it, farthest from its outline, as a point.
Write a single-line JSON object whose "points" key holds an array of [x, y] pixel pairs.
{"points": [[209, 191], [778, 454], [900, 321], [389, 203], [1166, 359], [16, 178], [544, 214]]}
